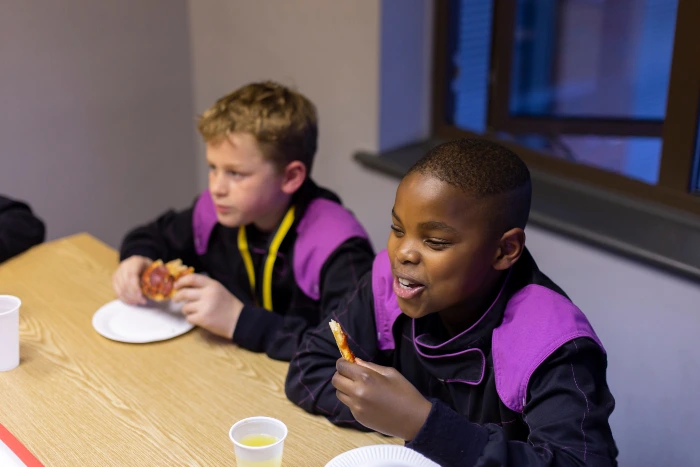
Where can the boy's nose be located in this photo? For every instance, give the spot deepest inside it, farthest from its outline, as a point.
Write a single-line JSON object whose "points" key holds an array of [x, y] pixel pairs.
{"points": [[407, 255], [217, 185]]}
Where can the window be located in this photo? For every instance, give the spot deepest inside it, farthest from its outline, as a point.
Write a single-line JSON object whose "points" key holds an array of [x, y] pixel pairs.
{"points": [[604, 92], [696, 161]]}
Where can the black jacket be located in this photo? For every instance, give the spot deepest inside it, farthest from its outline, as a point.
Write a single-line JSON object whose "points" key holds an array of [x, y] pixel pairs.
{"points": [[20, 229], [277, 333]]}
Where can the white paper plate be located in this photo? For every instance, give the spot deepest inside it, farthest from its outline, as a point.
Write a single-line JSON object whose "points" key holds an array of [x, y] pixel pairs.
{"points": [[140, 324], [381, 455]]}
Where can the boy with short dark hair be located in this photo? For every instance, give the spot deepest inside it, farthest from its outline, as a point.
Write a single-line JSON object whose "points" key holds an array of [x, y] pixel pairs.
{"points": [[464, 348]]}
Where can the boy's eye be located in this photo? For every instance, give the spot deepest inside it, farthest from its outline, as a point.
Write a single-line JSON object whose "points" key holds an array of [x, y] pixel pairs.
{"points": [[436, 244], [397, 230]]}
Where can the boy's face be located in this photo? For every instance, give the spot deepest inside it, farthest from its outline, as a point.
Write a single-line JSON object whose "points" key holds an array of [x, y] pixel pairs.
{"points": [[246, 187], [442, 249]]}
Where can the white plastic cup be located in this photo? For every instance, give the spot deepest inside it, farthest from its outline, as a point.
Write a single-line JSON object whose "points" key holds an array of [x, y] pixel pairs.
{"points": [[258, 456], [9, 332]]}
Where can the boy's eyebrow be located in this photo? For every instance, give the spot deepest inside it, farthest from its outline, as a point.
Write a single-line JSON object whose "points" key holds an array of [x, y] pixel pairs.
{"points": [[437, 225], [226, 165]]}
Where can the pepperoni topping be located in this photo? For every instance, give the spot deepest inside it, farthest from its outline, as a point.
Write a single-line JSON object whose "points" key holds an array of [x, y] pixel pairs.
{"points": [[158, 276], [167, 286]]}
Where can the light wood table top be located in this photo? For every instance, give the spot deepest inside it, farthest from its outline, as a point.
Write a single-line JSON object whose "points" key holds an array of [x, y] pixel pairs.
{"points": [[78, 399]]}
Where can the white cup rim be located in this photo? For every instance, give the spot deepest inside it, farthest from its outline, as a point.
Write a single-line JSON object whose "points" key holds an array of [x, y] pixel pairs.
{"points": [[17, 301], [258, 448]]}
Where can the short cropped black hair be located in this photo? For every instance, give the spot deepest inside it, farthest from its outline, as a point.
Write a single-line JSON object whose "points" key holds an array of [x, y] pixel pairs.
{"points": [[484, 170]]}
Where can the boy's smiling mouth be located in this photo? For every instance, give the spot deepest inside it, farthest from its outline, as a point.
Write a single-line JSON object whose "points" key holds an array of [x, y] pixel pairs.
{"points": [[407, 287]]}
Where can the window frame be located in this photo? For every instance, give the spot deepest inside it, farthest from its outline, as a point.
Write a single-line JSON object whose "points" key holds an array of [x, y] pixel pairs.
{"points": [[679, 130], [500, 118]]}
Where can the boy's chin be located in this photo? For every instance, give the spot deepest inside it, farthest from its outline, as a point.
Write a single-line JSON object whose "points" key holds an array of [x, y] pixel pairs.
{"points": [[229, 221], [413, 311]]}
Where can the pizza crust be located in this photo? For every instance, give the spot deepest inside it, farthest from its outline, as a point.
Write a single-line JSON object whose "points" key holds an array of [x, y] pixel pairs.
{"points": [[341, 338]]}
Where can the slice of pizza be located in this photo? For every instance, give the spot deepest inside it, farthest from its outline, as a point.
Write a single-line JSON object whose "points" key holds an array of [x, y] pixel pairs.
{"points": [[342, 340], [158, 280]]}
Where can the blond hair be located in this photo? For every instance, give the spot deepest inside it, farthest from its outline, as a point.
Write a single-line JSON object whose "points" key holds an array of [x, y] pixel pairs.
{"points": [[283, 121]]}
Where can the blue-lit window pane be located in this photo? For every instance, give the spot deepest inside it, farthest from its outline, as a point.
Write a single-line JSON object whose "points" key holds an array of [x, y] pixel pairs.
{"points": [[634, 157], [696, 165], [472, 60], [592, 58], [584, 59]]}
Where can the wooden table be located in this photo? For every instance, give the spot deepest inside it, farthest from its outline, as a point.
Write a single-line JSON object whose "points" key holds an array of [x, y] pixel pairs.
{"points": [[78, 399]]}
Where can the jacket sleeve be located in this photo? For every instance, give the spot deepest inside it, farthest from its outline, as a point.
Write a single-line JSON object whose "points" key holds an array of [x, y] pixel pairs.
{"points": [[278, 334], [169, 237], [309, 378], [20, 229], [567, 412]]}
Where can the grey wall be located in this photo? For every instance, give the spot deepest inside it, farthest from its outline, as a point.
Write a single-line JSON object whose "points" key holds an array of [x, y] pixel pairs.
{"points": [[648, 322], [96, 119]]}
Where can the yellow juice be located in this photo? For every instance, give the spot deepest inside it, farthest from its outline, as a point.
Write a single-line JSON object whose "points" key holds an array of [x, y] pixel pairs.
{"points": [[276, 462], [256, 441]]}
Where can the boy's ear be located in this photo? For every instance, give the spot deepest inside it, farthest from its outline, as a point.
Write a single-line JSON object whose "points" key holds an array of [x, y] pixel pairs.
{"points": [[510, 248], [293, 177]]}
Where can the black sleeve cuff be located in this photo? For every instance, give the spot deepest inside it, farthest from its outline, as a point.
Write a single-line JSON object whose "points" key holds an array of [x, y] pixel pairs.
{"points": [[145, 252], [448, 438], [255, 327]]}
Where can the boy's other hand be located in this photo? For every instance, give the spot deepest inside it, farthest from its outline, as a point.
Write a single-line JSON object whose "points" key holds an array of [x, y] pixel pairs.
{"points": [[381, 398], [127, 280], [208, 304]]}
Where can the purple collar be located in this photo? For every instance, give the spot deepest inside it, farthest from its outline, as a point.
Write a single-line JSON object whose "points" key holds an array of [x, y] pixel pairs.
{"points": [[459, 359]]}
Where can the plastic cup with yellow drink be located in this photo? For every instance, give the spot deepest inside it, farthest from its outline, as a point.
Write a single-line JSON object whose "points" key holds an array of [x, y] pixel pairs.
{"points": [[258, 441]]}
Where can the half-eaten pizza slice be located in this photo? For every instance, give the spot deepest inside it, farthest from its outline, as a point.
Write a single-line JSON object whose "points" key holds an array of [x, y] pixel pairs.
{"points": [[158, 280]]}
